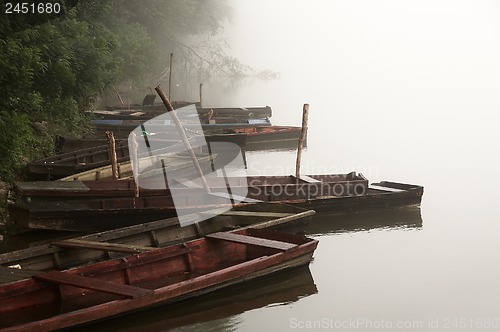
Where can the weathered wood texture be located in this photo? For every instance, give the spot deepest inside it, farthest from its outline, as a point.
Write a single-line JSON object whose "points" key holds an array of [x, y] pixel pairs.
{"points": [[303, 135], [145, 279]]}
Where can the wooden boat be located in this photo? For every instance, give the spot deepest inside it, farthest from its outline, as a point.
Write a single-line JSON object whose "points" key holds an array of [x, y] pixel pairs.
{"points": [[206, 118], [175, 165], [276, 290], [89, 158], [61, 299], [66, 144], [323, 197], [258, 185], [273, 137], [65, 251], [157, 109], [74, 162], [250, 138], [126, 126]]}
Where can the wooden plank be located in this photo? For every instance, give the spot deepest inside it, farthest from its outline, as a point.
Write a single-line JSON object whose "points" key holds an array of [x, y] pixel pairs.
{"points": [[394, 190], [236, 197], [30, 186], [279, 221], [94, 284], [308, 179], [256, 214], [251, 240], [105, 246]]}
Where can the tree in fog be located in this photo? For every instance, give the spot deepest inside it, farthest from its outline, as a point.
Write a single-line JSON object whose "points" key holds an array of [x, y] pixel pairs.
{"points": [[53, 67]]}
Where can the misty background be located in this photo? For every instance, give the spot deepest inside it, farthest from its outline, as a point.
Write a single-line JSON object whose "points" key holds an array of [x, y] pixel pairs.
{"points": [[405, 91]]}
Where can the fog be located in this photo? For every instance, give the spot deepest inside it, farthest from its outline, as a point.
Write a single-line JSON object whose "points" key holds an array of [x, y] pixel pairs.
{"points": [[403, 91], [420, 55], [426, 72]]}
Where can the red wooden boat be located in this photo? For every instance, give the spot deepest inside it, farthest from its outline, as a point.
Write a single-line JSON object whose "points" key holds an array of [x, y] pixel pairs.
{"points": [[89, 158], [250, 138], [259, 186], [216, 307], [61, 299], [63, 251], [334, 195], [273, 137], [158, 109]]}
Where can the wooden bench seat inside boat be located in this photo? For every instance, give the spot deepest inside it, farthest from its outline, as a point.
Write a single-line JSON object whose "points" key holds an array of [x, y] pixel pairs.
{"points": [[308, 179], [251, 240], [93, 284]]}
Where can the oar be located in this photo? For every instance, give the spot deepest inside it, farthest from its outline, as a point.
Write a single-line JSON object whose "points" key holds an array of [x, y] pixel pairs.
{"points": [[184, 138]]}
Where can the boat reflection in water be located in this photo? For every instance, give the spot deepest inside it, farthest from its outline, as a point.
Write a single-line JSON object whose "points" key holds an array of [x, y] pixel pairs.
{"points": [[214, 310], [403, 218]]}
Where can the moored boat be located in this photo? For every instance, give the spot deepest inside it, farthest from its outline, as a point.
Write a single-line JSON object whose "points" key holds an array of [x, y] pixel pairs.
{"points": [[88, 158], [273, 137], [157, 109], [173, 164], [247, 138], [258, 186], [69, 250], [336, 197], [118, 286]]}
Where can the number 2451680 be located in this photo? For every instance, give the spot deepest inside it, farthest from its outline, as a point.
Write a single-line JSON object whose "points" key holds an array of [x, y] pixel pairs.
{"points": [[33, 8]]}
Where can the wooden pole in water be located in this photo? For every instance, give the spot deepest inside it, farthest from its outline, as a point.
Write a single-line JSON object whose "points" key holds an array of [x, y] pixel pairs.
{"points": [[112, 154], [184, 138], [303, 134], [135, 163], [201, 95], [170, 77]]}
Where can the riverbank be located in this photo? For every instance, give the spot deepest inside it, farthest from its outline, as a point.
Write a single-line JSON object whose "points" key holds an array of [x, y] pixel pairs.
{"points": [[4, 195]]}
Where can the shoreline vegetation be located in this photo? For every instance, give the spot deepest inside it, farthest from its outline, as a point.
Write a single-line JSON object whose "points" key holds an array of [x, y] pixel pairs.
{"points": [[56, 67]]}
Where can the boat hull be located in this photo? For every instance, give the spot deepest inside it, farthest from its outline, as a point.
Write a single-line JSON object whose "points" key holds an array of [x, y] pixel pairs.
{"points": [[149, 279], [60, 253], [119, 212]]}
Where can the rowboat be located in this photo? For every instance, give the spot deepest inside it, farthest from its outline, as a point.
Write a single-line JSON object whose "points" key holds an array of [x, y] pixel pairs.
{"points": [[126, 126], [207, 117], [249, 138], [259, 186], [61, 299], [89, 158], [70, 163], [173, 164], [69, 250], [277, 290], [336, 197], [157, 109]]}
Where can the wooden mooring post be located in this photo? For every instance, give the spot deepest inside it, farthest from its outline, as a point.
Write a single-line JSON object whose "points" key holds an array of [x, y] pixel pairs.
{"points": [[201, 95], [135, 163], [184, 138], [170, 76], [303, 135], [112, 154]]}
